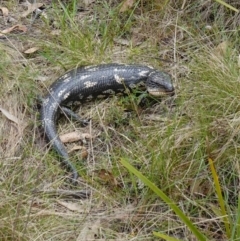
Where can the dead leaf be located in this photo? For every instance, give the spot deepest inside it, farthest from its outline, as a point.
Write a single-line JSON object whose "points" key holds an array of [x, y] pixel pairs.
{"points": [[31, 8], [122, 41], [10, 116], [107, 177], [4, 11], [200, 187], [76, 148], [56, 32], [74, 136], [221, 49], [18, 28], [72, 206], [84, 152], [41, 78], [127, 5], [31, 50]]}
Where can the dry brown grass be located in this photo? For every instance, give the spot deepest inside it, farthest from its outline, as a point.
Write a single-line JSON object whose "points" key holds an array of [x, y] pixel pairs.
{"points": [[168, 141]]}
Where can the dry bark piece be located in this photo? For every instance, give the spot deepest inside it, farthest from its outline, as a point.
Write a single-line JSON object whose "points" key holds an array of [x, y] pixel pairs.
{"points": [[74, 136]]}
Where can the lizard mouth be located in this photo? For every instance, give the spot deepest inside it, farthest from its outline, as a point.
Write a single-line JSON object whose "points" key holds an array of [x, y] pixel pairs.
{"points": [[160, 92]]}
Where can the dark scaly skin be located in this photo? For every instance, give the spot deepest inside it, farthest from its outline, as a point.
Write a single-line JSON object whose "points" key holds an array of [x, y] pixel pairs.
{"points": [[86, 83]]}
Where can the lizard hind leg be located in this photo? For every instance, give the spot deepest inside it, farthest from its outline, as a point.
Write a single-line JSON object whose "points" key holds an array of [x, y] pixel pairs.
{"points": [[74, 116]]}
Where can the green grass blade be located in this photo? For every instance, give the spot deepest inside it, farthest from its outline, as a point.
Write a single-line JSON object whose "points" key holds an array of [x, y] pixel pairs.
{"points": [[220, 197], [166, 199], [166, 237], [236, 226], [227, 5], [238, 219]]}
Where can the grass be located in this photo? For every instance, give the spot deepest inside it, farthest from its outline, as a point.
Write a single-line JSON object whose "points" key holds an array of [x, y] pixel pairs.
{"points": [[187, 146]]}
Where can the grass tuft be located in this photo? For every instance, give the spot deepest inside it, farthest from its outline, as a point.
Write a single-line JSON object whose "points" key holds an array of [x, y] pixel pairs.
{"points": [[167, 141]]}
